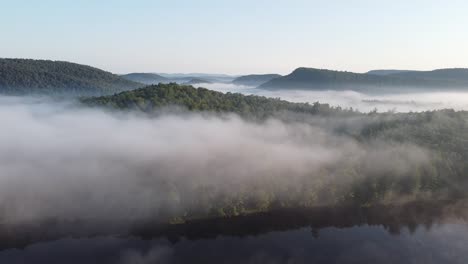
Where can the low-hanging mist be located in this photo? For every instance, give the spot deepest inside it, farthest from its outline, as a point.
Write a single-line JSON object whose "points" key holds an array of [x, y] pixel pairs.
{"points": [[62, 161], [390, 101]]}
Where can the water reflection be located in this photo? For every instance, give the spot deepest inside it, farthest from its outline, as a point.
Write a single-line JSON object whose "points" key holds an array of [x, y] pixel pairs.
{"points": [[414, 233]]}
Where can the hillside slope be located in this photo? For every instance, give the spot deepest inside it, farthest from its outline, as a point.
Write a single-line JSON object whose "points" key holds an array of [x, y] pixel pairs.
{"points": [[146, 78], [151, 98], [196, 81], [319, 79], [455, 76], [254, 79], [441, 135], [45, 77], [385, 72]]}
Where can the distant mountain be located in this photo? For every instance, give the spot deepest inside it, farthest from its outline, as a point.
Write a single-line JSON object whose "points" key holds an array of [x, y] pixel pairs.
{"points": [[185, 77], [319, 79], [146, 78], [195, 81], [454, 76], [45, 77], [385, 72], [255, 79], [180, 78]]}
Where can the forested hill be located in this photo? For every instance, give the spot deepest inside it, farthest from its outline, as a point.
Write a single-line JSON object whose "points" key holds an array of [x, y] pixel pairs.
{"points": [[151, 98], [454, 76], [442, 137], [319, 79], [146, 78], [45, 77], [255, 79]]}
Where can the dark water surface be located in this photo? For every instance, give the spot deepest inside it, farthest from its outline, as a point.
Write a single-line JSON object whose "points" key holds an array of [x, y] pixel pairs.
{"points": [[416, 233]]}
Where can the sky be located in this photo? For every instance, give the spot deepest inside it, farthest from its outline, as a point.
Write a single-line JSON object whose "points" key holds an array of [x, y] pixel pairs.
{"points": [[238, 37]]}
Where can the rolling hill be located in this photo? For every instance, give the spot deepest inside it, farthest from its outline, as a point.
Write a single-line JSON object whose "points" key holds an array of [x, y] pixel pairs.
{"points": [[45, 77], [146, 78], [320, 79], [195, 81], [453, 76], [186, 77], [442, 133], [151, 98], [254, 79]]}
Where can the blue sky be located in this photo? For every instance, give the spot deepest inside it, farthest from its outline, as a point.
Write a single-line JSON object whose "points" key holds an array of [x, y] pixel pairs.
{"points": [[238, 37]]}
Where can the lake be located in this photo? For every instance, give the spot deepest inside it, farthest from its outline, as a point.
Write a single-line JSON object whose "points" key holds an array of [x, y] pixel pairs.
{"points": [[412, 233]]}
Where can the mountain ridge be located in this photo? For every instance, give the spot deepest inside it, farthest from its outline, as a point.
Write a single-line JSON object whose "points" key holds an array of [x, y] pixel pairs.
{"points": [[145, 78], [254, 79], [48, 77], [322, 79]]}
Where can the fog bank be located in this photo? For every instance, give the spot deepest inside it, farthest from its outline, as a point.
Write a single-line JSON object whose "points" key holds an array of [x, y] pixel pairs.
{"points": [[61, 161], [399, 102]]}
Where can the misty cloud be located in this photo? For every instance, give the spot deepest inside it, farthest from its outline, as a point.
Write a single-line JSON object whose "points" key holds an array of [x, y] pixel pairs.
{"points": [[399, 102], [61, 161]]}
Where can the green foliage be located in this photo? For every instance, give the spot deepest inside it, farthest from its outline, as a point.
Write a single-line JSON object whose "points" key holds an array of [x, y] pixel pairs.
{"points": [[152, 98], [44, 77], [442, 134]]}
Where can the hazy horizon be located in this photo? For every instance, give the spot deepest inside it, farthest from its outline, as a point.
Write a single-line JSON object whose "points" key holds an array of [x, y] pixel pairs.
{"points": [[195, 73]]}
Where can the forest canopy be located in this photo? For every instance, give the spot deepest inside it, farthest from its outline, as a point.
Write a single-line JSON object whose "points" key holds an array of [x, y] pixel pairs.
{"points": [[46, 77], [154, 97], [442, 135]]}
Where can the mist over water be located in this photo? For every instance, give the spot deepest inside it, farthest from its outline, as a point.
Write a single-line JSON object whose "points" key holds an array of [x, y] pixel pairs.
{"points": [[398, 102], [65, 162], [328, 132], [445, 243]]}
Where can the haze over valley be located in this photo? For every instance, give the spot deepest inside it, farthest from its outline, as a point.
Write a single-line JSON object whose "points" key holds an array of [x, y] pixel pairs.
{"points": [[49, 78], [221, 132]]}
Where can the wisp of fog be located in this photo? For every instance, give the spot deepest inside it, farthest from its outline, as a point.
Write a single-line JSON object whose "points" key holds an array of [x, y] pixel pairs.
{"points": [[64, 161], [398, 102]]}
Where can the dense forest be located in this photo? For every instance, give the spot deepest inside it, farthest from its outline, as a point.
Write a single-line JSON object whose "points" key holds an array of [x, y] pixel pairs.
{"points": [[45, 77], [374, 81], [442, 135], [152, 98]]}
